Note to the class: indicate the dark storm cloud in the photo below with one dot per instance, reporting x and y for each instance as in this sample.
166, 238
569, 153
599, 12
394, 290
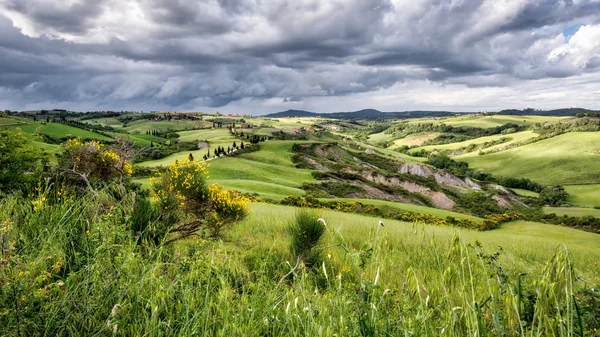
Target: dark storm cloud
212, 52
73, 19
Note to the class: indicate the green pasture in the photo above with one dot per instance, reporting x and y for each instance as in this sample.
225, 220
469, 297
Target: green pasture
570, 158
58, 130
205, 134
573, 211
4, 121
415, 139
525, 245
525, 193
488, 121
143, 125
514, 138
584, 195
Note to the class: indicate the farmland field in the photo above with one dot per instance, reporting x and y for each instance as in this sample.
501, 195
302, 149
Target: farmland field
584, 195
512, 138
564, 159
58, 130
488, 121
573, 211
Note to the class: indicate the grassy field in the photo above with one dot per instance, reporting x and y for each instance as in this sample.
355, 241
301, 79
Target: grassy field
268, 172
108, 121
525, 244
59, 131
525, 193
205, 134
381, 137
4, 121
400, 279
564, 159
143, 125
415, 139
584, 195
573, 211
514, 138
488, 121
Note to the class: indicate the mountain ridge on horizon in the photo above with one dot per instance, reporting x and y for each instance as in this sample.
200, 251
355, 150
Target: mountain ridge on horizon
374, 113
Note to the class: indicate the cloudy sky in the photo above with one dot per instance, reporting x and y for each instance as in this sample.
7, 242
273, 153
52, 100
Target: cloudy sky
261, 56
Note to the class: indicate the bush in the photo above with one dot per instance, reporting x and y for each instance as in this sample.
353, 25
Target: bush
553, 196
182, 192
19, 161
306, 232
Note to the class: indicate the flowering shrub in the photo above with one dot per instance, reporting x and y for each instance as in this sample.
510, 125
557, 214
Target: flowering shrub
182, 188
491, 222
92, 159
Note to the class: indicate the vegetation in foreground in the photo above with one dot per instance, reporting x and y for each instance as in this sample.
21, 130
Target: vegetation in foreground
76, 266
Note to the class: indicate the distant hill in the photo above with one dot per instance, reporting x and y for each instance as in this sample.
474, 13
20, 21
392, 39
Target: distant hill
361, 114
554, 112
376, 114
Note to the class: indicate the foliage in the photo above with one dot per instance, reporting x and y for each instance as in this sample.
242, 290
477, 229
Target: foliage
20, 162
553, 195
492, 221
74, 267
92, 160
182, 190
306, 231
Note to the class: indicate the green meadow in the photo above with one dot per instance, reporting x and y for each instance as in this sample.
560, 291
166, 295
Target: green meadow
564, 159
573, 211
58, 130
512, 139
584, 195
490, 121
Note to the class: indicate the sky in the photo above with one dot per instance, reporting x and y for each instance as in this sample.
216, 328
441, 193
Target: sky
263, 56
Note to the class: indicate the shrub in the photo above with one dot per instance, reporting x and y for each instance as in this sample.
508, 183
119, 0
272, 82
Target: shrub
18, 160
182, 192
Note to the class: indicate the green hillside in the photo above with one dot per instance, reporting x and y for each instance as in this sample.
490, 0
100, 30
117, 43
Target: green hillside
565, 159
58, 130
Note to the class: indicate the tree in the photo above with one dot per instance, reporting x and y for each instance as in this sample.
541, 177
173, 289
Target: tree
242, 146
19, 160
191, 157
234, 145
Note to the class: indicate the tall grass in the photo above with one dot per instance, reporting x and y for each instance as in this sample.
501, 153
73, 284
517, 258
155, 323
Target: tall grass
76, 266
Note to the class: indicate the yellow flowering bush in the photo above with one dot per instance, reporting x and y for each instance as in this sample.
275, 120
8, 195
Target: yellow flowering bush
182, 187
92, 159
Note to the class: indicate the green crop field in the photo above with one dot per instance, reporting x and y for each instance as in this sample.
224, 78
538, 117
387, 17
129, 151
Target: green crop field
205, 134
564, 159
268, 172
488, 121
525, 193
381, 137
108, 121
415, 139
573, 211
513, 138
9, 121
143, 125
584, 195
59, 131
